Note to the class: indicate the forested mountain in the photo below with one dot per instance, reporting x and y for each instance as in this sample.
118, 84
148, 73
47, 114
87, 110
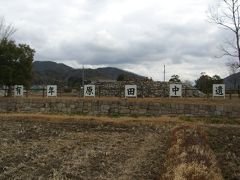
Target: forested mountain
48, 72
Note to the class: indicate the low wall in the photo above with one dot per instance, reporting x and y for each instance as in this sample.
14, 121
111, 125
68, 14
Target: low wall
128, 107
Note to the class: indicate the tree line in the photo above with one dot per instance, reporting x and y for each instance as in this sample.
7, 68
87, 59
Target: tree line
203, 83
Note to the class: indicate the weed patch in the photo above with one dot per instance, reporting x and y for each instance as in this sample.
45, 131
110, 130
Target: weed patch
190, 157
211, 120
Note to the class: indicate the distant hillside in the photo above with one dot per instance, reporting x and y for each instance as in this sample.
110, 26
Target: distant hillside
48, 72
232, 81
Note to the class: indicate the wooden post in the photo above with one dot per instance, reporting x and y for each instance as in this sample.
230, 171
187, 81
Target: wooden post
43, 91
99, 91
238, 91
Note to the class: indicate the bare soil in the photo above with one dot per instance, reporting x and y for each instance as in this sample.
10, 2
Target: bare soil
38, 147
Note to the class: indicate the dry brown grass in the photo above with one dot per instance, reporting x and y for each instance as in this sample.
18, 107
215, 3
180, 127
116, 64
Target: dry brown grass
190, 157
100, 119
69, 147
116, 147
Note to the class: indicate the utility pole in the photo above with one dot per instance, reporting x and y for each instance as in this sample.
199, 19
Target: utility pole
164, 74
82, 88
83, 76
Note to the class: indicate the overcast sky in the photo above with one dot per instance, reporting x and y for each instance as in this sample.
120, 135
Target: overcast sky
140, 36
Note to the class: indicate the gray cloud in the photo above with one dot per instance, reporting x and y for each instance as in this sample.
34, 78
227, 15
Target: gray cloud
135, 35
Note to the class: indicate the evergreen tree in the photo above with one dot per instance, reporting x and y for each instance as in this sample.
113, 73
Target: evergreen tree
15, 63
204, 82
175, 79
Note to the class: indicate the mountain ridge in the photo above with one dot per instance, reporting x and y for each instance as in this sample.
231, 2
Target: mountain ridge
49, 72
232, 82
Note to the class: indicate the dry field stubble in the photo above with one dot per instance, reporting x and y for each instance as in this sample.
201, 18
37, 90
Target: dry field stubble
224, 140
81, 147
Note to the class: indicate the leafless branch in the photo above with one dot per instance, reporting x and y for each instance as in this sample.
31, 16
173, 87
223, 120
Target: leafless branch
6, 30
227, 15
233, 67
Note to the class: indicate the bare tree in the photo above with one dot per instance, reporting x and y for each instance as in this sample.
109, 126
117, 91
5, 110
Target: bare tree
6, 30
233, 67
227, 15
